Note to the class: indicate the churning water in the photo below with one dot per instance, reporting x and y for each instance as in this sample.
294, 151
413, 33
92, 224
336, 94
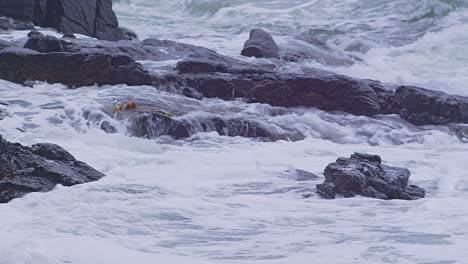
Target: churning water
214, 199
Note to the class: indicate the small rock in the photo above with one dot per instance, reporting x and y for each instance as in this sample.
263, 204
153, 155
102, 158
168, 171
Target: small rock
260, 45
69, 36
365, 175
301, 175
44, 44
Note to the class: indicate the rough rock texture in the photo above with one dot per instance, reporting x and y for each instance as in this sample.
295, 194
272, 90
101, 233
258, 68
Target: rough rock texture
321, 89
39, 169
365, 175
260, 45
91, 17
425, 107
73, 69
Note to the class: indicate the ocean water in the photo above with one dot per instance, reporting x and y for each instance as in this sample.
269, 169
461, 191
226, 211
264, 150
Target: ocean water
214, 199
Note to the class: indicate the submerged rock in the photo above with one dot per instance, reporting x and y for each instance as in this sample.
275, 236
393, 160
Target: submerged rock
39, 169
365, 175
260, 45
156, 123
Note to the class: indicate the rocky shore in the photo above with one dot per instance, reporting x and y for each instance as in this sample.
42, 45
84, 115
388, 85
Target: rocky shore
112, 58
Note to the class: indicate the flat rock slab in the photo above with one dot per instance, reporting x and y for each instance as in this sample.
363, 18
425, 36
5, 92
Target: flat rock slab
365, 175
39, 169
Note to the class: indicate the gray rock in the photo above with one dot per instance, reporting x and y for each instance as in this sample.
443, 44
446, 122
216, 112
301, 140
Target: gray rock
260, 45
365, 175
39, 169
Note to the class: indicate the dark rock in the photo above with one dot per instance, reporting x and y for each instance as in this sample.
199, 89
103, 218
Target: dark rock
72, 69
365, 175
22, 10
260, 45
4, 44
320, 89
39, 169
10, 24
92, 17
44, 44
426, 107
107, 127
35, 33
156, 124
69, 36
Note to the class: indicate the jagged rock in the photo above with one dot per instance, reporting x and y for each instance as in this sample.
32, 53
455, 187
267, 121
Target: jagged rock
92, 17
39, 169
260, 45
73, 69
365, 175
426, 107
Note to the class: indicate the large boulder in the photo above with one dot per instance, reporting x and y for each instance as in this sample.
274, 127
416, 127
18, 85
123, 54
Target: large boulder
365, 175
260, 45
39, 169
72, 69
91, 17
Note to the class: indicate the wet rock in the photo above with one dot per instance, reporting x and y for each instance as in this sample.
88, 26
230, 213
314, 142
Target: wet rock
35, 33
4, 44
72, 69
43, 44
320, 89
39, 169
107, 127
69, 36
93, 17
426, 107
260, 45
154, 125
365, 175
11, 24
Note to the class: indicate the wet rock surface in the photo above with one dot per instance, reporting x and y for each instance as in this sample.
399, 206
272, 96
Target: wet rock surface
365, 175
92, 17
39, 169
260, 45
149, 122
73, 69
426, 107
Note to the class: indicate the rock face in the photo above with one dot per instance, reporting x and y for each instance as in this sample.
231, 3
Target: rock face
91, 17
260, 45
73, 69
365, 175
39, 169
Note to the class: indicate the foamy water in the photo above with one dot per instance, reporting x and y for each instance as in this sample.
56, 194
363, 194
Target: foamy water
213, 199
